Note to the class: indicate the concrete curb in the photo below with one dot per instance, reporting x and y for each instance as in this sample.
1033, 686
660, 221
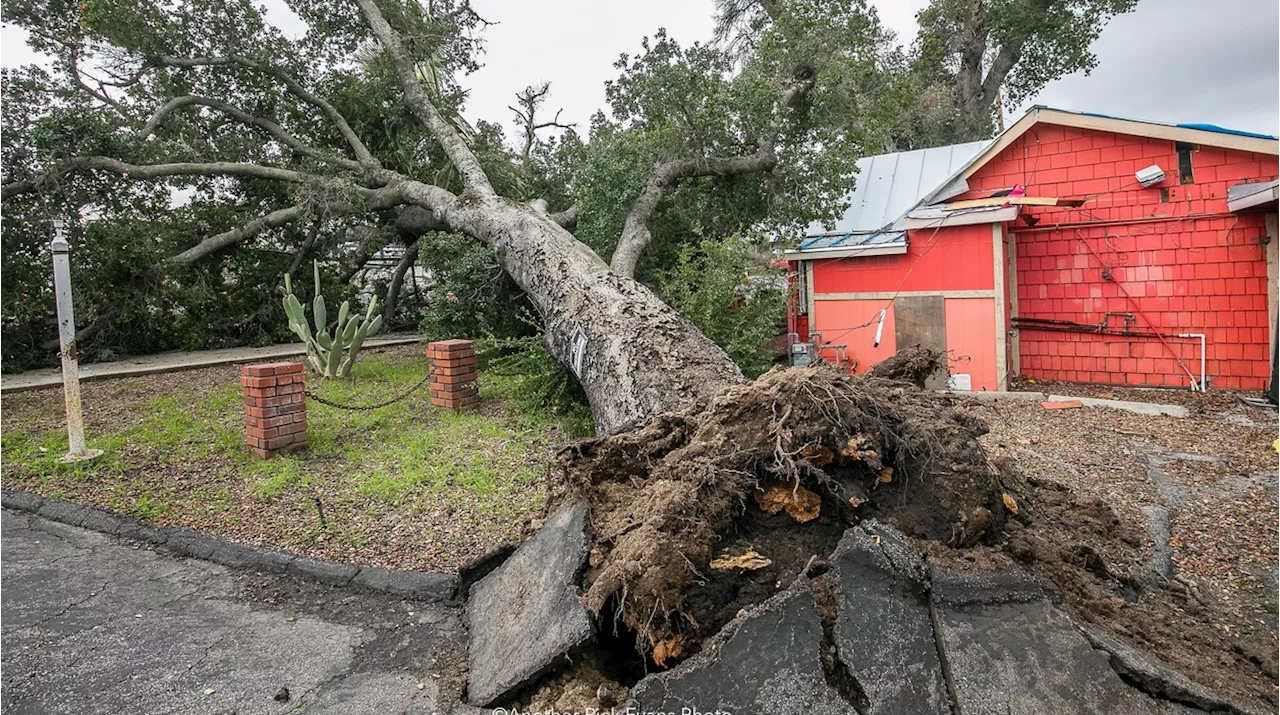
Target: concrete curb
420, 585
42, 379
1141, 408
997, 396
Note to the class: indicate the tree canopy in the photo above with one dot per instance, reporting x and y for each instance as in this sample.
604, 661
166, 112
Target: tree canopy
199, 154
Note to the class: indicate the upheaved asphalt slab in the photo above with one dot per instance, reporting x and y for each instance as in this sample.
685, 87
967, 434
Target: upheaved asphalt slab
883, 632
525, 617
96, 624
766, 662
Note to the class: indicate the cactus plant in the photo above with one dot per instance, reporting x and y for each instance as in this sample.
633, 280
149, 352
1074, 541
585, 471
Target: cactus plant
330, 355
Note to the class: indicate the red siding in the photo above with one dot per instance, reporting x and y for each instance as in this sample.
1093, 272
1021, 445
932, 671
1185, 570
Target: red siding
835, 320
956, 258
1187, 264
971, 341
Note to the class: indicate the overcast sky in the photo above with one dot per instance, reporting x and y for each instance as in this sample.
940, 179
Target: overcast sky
1215, 61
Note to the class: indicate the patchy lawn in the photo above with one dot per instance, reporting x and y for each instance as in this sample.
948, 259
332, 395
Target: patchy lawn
408, 486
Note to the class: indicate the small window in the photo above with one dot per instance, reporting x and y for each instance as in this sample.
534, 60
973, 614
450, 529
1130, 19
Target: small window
1184, 161
802, 281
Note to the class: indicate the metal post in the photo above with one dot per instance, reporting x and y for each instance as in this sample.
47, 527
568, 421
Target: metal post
67, 343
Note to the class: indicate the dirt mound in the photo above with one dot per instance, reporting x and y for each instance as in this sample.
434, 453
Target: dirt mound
913, 365
706, 511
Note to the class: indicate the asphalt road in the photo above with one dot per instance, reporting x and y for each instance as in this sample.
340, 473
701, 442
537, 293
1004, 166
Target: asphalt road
95, 624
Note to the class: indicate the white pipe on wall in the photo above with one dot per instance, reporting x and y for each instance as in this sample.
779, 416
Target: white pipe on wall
1201, 336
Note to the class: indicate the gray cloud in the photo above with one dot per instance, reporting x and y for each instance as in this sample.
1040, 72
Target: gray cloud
1169, 60
1184, 61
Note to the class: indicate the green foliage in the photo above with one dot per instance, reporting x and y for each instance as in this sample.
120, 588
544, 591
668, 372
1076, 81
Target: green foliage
673, 101
728, 290
468, 295
331, 355
1022, 44
537, 383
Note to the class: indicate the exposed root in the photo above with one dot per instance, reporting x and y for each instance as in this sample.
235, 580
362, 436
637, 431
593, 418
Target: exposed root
664, 495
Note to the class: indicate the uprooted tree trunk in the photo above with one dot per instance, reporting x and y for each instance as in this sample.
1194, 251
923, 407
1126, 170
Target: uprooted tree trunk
635, 356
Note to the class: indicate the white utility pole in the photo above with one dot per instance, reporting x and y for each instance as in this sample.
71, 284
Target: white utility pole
67, 343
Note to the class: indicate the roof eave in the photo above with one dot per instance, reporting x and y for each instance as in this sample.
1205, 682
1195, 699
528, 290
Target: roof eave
1116, 125
1257, 198
887, 249
962, 218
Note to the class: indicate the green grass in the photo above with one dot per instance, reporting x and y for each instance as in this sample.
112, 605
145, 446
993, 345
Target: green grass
180, 457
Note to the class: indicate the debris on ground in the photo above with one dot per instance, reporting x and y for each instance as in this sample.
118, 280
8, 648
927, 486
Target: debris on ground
702, 517
1063, 405
913, 364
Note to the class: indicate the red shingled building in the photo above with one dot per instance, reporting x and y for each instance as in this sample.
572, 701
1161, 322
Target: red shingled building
1073, 247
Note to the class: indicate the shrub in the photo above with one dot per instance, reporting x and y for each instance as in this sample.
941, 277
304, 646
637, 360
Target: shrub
732, 295
537, 383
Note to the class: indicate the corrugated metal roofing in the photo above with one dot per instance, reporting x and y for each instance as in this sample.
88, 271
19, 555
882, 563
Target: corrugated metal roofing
889, 185
854, 240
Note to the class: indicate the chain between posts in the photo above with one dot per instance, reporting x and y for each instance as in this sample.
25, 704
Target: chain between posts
359, 408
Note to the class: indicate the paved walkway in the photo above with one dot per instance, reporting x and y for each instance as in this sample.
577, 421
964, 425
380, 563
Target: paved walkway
94, 624
172, 362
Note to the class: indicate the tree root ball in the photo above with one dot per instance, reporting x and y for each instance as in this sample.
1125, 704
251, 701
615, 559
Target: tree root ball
667, 497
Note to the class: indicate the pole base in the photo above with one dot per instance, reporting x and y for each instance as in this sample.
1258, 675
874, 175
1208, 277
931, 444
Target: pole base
83, 456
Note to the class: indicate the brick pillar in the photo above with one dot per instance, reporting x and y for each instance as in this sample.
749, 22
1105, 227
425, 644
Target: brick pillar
453, 373
275, 410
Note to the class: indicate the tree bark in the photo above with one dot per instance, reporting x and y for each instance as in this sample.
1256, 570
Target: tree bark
406, 264
639, 357
635, 356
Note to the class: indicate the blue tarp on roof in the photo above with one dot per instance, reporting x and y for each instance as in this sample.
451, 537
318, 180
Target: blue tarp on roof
1201, 127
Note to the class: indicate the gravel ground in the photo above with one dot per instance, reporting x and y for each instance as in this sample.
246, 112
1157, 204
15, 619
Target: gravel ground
1216, 471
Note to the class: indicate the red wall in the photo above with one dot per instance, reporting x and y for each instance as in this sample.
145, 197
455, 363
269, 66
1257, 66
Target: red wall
957, 258
951, 259
1189, 265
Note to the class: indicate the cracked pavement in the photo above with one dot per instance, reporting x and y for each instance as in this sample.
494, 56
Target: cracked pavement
96, 624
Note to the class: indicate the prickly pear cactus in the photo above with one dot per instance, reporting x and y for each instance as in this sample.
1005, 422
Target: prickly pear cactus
330, 354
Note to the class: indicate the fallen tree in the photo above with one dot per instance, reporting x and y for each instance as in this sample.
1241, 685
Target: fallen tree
634, 356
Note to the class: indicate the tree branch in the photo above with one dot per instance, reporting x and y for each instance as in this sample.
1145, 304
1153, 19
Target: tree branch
267, 125
530, 98
397, 282
275, 219
367, 199
305, 250
635, 236
340, 122
158, 171
473, 176
569, 217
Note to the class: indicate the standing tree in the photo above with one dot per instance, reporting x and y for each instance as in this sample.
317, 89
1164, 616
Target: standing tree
967, 55
210, 96
973, 51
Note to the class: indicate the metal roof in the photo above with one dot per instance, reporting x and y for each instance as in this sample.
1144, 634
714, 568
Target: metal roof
890, 185
873, 243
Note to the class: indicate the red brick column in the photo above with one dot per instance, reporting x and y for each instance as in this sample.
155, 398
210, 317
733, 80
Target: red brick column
275, 410
453, 373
